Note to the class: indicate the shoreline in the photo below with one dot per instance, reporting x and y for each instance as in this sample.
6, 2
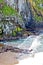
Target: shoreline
6, 48
9, 55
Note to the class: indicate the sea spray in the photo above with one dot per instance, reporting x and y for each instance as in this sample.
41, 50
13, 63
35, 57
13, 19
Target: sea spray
30, 45
35, 44
38, 57
36, 60
31, 42
27, 42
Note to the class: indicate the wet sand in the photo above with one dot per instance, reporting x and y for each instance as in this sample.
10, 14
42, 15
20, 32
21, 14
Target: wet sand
8, 58
10, 55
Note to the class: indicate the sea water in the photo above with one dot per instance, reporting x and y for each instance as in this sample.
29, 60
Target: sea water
32, 42
36, 45
27, 42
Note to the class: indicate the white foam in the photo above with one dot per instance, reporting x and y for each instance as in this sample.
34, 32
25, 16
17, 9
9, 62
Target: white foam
27, 42
36, 60
36, 43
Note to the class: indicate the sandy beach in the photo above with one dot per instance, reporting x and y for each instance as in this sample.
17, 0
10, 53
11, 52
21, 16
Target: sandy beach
9, 55
8, 58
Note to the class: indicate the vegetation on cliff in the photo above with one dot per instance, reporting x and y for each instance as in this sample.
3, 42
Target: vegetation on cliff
37, 7
30, 14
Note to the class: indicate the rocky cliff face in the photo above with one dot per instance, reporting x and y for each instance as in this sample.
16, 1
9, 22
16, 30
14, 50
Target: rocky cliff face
16, 4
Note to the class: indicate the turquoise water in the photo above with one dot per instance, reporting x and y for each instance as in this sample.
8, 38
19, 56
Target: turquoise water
14, 42
27, 42
32, 42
